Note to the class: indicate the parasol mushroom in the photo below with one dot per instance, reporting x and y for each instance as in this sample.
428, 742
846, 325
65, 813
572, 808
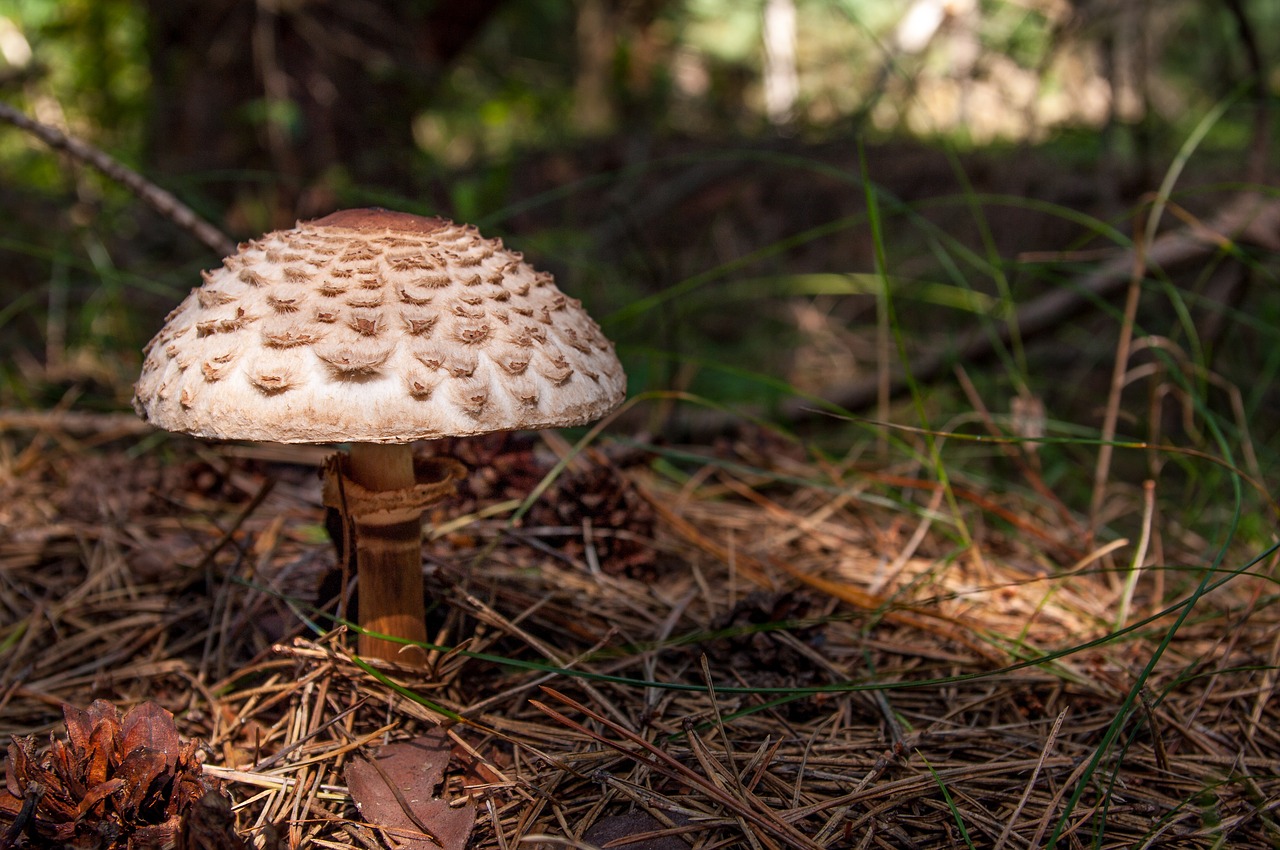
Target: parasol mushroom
377, 328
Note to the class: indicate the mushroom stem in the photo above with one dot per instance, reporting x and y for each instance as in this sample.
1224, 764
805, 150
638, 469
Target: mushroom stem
388, 558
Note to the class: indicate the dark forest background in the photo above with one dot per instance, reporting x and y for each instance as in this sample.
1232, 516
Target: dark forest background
698, 171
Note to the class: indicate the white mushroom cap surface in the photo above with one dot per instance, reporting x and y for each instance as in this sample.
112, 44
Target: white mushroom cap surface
380, 327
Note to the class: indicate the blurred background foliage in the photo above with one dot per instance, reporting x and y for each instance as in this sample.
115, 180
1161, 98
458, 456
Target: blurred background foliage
467, 85
693, 169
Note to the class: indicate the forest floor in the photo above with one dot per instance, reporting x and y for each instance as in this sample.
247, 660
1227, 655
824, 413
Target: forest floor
746, 641
740, 645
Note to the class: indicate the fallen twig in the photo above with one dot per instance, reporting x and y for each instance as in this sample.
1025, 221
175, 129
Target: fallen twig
160, 200
1249, 218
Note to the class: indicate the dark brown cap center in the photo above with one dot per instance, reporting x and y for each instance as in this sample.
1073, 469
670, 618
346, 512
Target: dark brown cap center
377, 218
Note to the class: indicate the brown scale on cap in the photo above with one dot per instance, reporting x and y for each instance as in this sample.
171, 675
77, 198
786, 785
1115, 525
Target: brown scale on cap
344, 327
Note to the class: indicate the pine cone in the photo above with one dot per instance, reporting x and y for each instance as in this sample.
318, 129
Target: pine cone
600, 493
114, 783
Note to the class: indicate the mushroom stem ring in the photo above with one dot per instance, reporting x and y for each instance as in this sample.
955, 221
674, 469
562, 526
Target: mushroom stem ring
381, 492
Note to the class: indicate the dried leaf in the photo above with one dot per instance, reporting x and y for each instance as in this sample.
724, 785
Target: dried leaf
615, 830
396, 792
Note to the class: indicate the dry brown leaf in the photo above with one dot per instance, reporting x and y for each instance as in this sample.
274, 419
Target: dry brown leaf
633, 831
397, 793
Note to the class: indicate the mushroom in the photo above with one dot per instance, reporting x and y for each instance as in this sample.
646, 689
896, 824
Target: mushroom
377, 328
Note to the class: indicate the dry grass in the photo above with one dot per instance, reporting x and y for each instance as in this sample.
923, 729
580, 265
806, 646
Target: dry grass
770, 653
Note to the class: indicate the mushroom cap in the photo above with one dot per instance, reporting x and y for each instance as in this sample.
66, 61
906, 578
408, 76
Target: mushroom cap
380, 327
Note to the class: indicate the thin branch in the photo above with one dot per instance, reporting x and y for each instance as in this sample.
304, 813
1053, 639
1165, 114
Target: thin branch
1250, 218
149, 193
